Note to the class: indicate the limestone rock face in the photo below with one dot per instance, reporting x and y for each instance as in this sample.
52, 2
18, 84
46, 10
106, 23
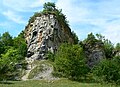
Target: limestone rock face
116, 53
45, 34
94, 53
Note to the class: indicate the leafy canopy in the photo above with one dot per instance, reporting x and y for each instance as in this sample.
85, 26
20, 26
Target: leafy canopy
70, 62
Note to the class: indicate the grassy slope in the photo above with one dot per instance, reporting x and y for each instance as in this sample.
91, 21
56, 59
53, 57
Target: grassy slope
58, 83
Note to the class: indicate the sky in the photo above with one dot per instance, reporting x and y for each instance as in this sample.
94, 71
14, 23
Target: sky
84, 16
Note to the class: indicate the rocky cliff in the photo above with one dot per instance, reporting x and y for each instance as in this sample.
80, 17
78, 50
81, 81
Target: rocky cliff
94, 53
45, 34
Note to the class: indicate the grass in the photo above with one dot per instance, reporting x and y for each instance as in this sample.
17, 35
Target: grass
57, 83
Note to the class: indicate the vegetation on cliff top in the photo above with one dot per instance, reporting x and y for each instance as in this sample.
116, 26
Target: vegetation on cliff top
50, 8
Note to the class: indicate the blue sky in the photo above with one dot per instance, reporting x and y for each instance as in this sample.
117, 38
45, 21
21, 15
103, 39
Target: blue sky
85, 16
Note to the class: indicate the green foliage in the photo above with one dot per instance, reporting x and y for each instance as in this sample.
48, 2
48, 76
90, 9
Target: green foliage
5, 42
108, 70
36, 14
7, 63
1, 47
50, 56
7, 39
49, 6
70, 62
20, 45
100, 37
90, 39
75, 37
12, 53
108, 46
117, 48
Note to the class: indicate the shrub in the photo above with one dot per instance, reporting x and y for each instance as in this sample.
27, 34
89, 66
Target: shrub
12, 55
50, 56
107, 70
70, 62
117, 47
7, 64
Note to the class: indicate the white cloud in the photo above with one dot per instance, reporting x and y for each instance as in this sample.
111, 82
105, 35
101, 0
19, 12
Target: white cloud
95, 15
12, 8
75, 13
14, 17
112, 31
24, 5
110, 28
112, 34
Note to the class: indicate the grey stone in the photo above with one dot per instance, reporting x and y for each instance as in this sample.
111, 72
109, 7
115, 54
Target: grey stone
43, 35
94, 53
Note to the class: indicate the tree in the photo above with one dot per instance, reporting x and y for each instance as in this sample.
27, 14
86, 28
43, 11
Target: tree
1, 47
108, 70
70, 62
12, 53
5, 42
20, 45
90, 39
117, 48
7, 63
108, 46
49, 6
100, 37
7, 39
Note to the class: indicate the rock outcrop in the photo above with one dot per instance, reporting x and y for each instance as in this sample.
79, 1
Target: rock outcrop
94, 53
45, 34
116, 53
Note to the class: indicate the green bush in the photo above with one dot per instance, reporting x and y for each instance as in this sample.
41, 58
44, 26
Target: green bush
107, 70
107, 45
12, 55
70, 62
117, 47
7, 64
76, 40
36, 14
50, 56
